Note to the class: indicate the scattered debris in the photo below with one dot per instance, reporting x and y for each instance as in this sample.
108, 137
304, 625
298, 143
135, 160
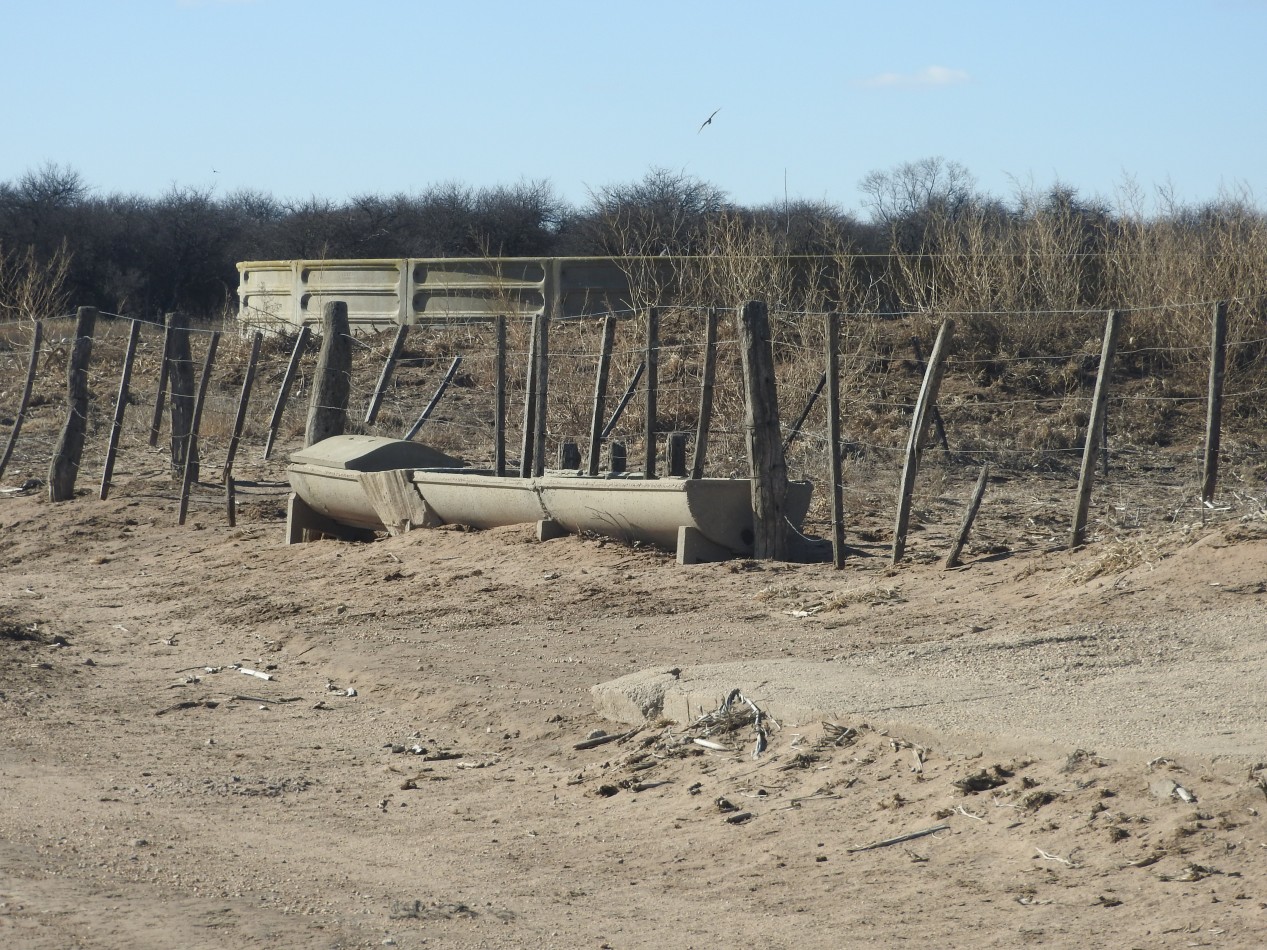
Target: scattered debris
923, 832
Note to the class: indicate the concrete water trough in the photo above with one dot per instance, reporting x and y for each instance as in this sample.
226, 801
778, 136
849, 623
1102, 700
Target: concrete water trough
352, 486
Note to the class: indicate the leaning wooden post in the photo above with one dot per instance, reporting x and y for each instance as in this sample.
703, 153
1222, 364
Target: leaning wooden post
191, 459
919, 425
543, 394
180, 378
705, 420
761, 425
1099, 406
652, 360
624, 400
1214, 406
938, 426
809, 407
389, 365
600, 394
499, 411
283, 393
833, 441
244, 398
969, 516
120, 404
435, 399
37, 337
70, 445
164, 369
328, 410
529, 437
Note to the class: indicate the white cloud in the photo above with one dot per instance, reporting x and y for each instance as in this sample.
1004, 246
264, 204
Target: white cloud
928, 76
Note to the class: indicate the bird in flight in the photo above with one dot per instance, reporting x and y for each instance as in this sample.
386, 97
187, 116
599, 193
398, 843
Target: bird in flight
708, 121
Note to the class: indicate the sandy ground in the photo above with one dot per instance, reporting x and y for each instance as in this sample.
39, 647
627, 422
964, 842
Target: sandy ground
1087, 734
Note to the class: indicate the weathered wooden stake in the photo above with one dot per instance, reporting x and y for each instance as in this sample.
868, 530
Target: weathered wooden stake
180, 379
705, 420
569, 456
191, 459
938, 426
389, 365
435, 399
652, 360
833, 441
239, 419
37, 336
1099, 406
120, 404
332, 381
969, 516
800, 420
231, 500
919, 424
761, 424
1214, 405
529, 438
600, 393
624, 400
499, 421
283, 392
164, 369
70, 445
617, 458
543, 392
675, 454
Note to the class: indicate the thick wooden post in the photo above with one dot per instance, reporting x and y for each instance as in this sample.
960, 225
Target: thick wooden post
652, 361
499, 411
164, 369
244, 399
435, 399
120, 405
543, 393
569, 456
180, 378
37, 336
1099, 406
705, 420
191, 459
389, 365
969, 516
1214, 404
70, 445
331, 385
617, 459
919, 425
761, 424
529, 439
283, 392
675, 454
833, 441
600, 393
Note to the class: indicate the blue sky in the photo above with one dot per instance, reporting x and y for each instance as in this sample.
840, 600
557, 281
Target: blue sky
382, 96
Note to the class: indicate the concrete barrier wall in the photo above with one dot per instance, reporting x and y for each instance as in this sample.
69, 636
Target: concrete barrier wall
282, 296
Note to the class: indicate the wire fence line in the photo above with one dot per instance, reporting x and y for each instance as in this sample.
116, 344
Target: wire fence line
1024, 413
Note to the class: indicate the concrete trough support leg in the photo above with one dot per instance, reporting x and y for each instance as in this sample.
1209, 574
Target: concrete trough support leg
306, 524
694, 548
549, 530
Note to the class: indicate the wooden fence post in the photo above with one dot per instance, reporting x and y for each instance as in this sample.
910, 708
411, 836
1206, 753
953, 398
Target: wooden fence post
833, 441
328, 410
499, 422
617, 459
70, 445
1214, 404
761, 424
800, 420
37, 336
180, 379
543, 393
120, 404
389, 365
969, 516
600, 393
164, 370
569, 456
244, 398
652, 360
675, 454
529, 439
624, 400
435, 399
938, 426
191, 459
283, 392
705, 420
919, 425
1099, 406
